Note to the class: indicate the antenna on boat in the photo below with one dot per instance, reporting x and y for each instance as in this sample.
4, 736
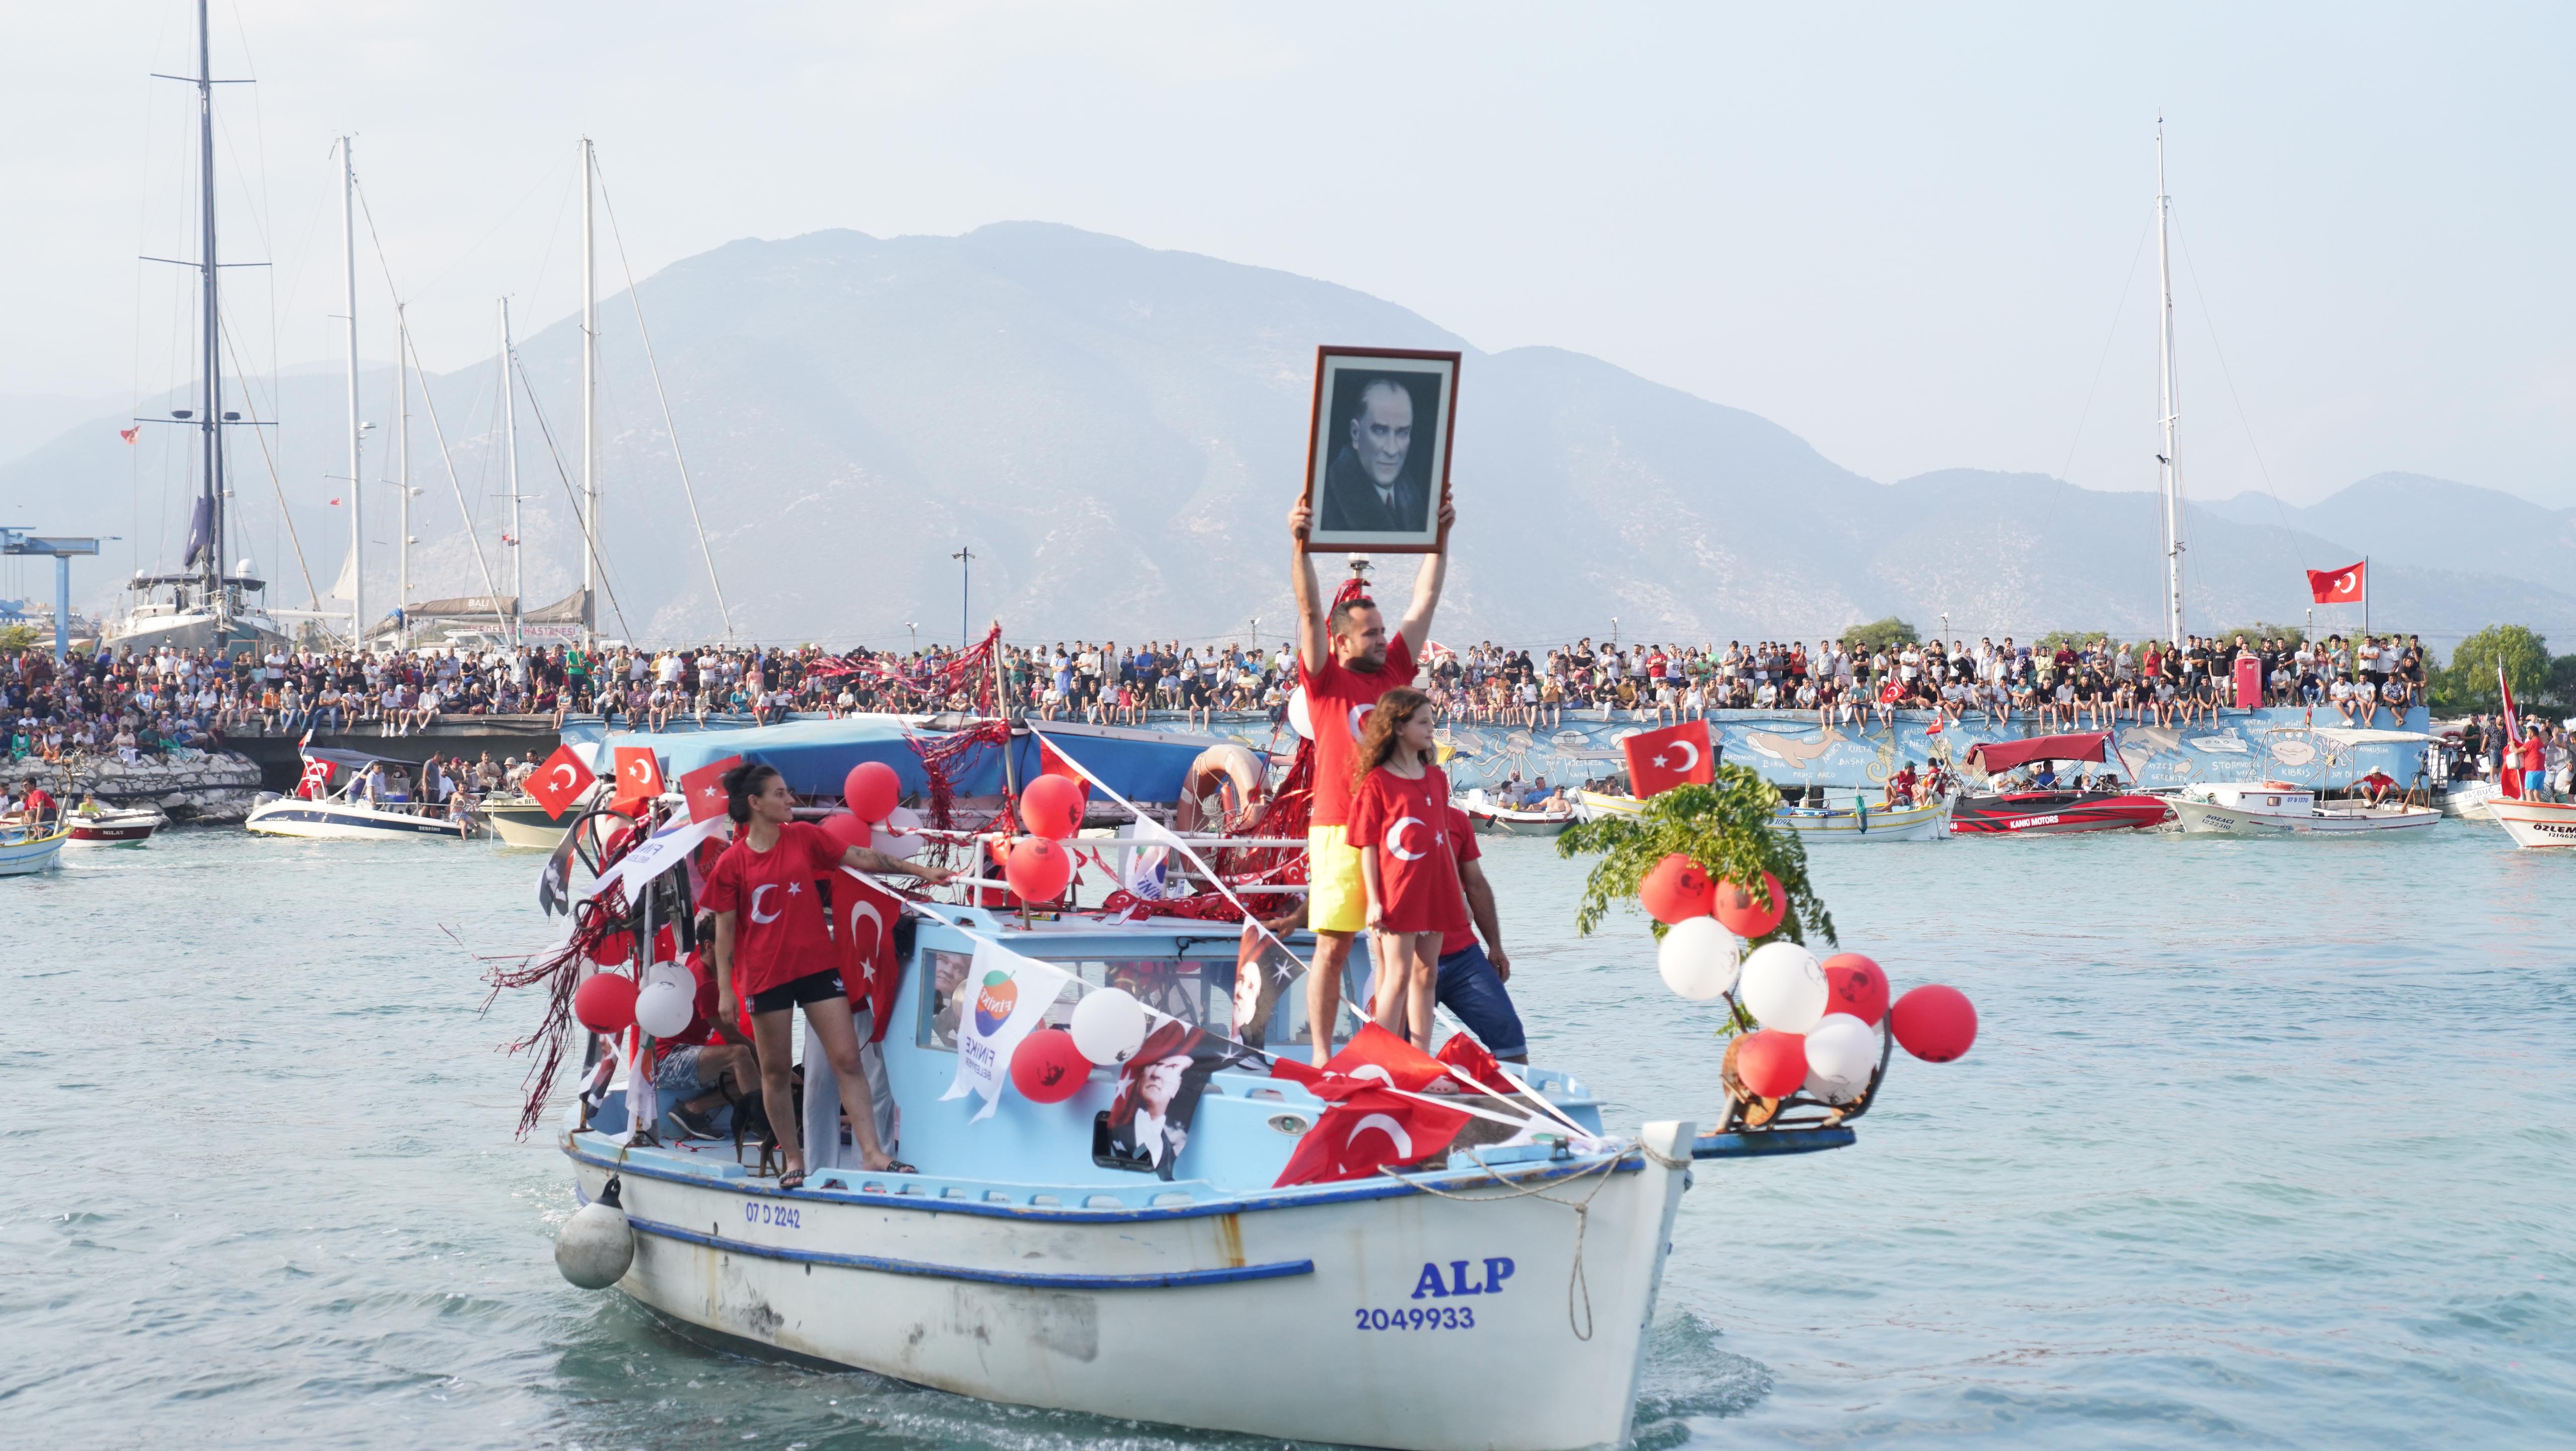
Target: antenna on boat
2168, 472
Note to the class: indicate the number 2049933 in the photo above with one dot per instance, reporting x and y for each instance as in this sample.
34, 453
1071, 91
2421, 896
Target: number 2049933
1418, 1317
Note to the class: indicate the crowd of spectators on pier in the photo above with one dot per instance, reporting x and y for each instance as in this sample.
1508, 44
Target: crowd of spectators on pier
142, 703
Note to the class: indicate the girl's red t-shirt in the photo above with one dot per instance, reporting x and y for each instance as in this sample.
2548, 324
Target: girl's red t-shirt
1406, 824
779, 932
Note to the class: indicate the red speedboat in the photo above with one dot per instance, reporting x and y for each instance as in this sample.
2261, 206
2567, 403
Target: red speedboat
2048, 812
115, 825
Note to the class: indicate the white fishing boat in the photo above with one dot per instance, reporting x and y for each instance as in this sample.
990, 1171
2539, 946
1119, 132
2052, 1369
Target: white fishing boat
2270, 808
1862, 821
27, 850
1492, 818
1028, 1254
524, 823
2467, 800
2535, 823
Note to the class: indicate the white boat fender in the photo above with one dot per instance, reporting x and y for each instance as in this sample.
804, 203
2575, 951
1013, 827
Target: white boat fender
595, 1246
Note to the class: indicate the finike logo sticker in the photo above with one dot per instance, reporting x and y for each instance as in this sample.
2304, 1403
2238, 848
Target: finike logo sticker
994, 1001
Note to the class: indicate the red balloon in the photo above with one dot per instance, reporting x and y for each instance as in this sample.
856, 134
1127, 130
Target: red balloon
613, 949
605, 1003
1772, 1064
1053, 806
1742, 913
1855, 985
871, 790
1676, 890
1037, 869
1047, 1068
846, 828
1934, 1023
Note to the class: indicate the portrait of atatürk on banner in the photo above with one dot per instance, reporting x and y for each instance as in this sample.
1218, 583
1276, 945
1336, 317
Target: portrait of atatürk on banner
1379, 455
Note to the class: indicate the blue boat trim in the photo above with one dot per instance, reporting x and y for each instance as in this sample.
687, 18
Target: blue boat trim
1299, 1198
1023, 1279
1775, 1141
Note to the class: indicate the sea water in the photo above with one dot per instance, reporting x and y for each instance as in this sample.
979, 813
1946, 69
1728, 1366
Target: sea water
2262, 1143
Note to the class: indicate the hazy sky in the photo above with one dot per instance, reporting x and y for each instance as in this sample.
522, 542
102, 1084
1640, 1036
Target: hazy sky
1903, 233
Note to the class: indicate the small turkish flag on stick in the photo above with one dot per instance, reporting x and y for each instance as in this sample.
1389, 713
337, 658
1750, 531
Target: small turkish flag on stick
560, 781
639, 776
1676, 755
2338, 586
704, 788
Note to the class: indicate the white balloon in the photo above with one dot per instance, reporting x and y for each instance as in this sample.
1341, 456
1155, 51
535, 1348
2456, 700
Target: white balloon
1784, 987
669, 971
1841, 1052
1108, 1025
1298, 720
664, 1008
899, 835
1697, 958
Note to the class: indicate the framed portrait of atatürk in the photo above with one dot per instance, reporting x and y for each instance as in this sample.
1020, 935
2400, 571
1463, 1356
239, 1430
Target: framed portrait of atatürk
1377, 462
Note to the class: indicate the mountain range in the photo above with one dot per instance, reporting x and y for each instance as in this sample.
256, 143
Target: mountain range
1116, 434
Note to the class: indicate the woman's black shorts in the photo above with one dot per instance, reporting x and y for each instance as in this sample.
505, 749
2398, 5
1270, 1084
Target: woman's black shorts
813, 987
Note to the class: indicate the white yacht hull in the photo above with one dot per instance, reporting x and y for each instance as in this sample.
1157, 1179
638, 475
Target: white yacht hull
337, 820
2535, 823
195, 630
1912, 823
1305, 1316
2204, 817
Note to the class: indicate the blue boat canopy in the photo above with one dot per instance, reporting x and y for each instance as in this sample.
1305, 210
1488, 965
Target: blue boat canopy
814, 755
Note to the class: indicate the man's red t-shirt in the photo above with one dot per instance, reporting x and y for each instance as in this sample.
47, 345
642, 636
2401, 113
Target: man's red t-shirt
779, 934
1462, 842
701, 1031
1338, 700
1406, 823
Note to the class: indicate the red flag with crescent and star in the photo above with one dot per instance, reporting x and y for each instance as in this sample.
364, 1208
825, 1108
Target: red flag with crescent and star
1051, 762
864, 935
704, 788
1677, 755
559, 782
1370, 1129
639, 776
2338, 586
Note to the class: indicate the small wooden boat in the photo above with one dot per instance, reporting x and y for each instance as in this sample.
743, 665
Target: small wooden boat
27, 850
2269, 808
2535, 824
1862, 821
1493, 819
523, 822
125, 826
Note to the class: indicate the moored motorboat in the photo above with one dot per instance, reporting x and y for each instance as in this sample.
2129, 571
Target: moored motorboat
353, 809
27, 850
1491, 818
1863, 821
523, 821
2264, 808
2535, 824
2043, 809
126, 826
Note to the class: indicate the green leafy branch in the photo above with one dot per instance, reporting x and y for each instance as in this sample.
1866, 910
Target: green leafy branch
1726, 828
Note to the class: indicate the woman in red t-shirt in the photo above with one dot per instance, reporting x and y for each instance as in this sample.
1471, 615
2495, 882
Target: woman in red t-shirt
1399, 824
772, 947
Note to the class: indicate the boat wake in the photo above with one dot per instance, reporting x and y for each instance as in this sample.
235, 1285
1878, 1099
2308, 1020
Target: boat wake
1690, 1377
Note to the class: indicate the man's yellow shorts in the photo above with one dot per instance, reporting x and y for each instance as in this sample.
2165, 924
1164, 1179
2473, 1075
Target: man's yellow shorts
1336, 898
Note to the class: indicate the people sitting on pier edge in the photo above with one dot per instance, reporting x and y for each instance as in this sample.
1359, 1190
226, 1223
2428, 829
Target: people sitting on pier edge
1346, 660
773, 951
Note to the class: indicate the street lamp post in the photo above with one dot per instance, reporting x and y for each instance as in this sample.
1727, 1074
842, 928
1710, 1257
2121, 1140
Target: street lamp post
965, 558
916, 635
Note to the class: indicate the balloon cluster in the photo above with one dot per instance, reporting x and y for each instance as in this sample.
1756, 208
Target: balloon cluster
874, 820
1052, 1064
1036, 865
1819, 1020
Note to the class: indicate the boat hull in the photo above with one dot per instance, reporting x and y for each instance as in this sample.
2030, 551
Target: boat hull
27, 855
527, 828
2054, 813
124, 827
345, 821
1111, 1312
2535, 824
1912, 823
1518, 823
2203, 817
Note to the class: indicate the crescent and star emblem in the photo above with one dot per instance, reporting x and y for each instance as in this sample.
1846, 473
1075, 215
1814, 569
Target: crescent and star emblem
869, 912
1386, 1125
2344, 586
1691, 764
1359, 719
755, 902
1395, 838
564, 770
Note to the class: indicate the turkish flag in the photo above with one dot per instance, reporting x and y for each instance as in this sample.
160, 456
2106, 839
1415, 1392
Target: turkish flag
2338, 586
1367, 1130
1051, 762
639, 776
704, 788
560, 781
1676, 755
864, 934
316, 782
1375, 1053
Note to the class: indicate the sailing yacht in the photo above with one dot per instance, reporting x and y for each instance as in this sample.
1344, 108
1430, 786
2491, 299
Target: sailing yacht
202, 607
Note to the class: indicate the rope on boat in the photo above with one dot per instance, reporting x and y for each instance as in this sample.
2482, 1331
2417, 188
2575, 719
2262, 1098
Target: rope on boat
1578, 1286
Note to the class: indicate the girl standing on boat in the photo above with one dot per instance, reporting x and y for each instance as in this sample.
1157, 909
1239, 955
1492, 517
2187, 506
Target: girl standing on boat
772, 947
1399, 823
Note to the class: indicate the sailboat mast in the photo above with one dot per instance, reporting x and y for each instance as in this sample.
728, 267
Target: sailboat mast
589, 396
2168, 471
402, 453
510, 463
357, 484
210, 571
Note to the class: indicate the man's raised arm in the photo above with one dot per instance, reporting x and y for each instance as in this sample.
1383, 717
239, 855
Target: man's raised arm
1312, 645
1416, 628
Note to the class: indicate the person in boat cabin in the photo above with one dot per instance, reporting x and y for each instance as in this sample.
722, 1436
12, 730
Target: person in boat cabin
1346, 661
773, 950
1399, 816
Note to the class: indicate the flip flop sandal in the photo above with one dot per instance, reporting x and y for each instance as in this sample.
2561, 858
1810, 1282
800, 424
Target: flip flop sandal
898, 1166
792, 1179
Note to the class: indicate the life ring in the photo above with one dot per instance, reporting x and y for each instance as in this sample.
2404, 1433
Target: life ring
1231, 776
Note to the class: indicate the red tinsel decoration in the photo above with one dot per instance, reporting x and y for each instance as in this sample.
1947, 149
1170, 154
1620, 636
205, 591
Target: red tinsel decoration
560, 972
942, 758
